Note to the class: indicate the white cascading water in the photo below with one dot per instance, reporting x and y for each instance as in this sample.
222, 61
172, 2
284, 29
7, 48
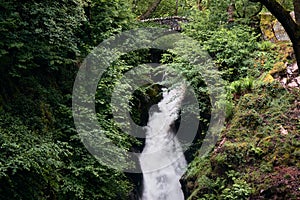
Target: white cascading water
162, 151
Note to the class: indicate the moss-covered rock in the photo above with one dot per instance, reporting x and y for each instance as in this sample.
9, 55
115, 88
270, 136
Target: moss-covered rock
268, 78
279, 67
267, 21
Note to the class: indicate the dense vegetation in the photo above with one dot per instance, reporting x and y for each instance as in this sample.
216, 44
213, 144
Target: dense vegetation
43, 43
42, 46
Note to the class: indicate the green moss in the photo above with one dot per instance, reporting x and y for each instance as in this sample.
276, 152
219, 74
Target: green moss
267, 21
279, 67
268, 79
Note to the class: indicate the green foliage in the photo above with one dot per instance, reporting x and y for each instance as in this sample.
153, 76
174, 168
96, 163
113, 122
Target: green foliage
104, 18
241, 86
239, 190
35, 166
232, 48
39, 34
287, 4
29, 162
165, 8
42, 44
247, 8
51, 36
266, 45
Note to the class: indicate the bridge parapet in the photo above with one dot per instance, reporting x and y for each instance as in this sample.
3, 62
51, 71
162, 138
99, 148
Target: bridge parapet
173, 22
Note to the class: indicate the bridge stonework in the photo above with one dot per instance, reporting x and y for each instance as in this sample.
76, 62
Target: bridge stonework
173, 22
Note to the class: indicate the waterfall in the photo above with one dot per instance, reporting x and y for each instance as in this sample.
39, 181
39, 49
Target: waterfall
162, 160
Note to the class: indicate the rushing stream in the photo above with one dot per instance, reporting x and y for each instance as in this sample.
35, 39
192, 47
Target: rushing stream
162, 146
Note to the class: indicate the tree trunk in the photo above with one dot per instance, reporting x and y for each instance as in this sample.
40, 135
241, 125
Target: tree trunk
150, 10
230, 12
199, 5
297, 11
296, 47
176, 9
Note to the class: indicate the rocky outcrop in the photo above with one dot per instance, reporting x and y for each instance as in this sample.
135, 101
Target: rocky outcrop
137, 180
286, 74
272, 29
290, 79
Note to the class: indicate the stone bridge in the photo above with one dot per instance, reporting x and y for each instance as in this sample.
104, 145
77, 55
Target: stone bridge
173, 22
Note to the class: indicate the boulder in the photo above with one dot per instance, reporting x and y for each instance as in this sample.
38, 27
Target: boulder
267, 21
297, 79
279, 32
284, 81
292, 69
272, 29
293, 84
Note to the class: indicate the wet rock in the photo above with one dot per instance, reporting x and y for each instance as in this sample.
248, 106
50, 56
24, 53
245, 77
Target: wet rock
297, 79
136, 179
292, 69
293, 84
283, 131
290, 78
280, 33
186, 186
284, 81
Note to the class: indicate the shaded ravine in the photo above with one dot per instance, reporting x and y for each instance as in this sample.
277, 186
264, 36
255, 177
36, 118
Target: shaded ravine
162, 160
